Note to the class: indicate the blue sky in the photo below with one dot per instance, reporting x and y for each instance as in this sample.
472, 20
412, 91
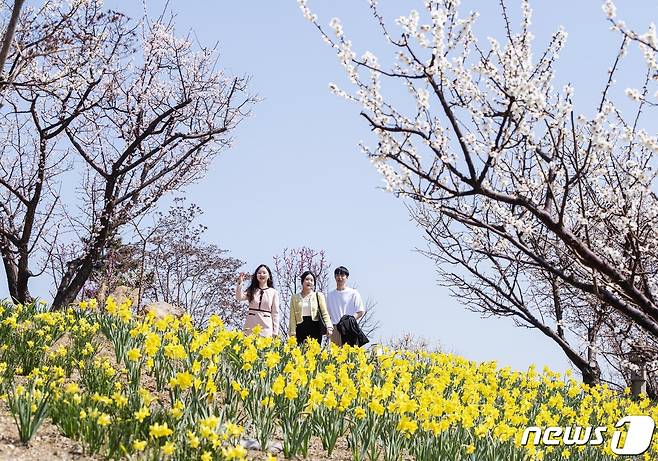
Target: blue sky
296, 176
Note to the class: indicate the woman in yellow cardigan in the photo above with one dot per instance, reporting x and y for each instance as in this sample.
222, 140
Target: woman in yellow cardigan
308, 310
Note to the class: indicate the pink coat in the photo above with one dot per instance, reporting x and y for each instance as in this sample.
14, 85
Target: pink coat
264, 311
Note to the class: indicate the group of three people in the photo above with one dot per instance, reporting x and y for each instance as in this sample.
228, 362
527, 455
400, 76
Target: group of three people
311, 315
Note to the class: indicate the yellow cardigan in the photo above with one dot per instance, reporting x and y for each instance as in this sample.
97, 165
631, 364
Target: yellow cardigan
296, 310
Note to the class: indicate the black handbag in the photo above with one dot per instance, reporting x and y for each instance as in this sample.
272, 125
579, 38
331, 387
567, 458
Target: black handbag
323, 326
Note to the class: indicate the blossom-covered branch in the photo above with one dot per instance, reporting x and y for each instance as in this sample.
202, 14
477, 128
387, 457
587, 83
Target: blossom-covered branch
519, 195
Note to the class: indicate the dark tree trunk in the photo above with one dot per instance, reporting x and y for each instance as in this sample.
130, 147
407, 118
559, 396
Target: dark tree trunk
22, 290
588, 366
589, 369
72, 283
23, 276
8, 38
11, 270
591, 374
78, 271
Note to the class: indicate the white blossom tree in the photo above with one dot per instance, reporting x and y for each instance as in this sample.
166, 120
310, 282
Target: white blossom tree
531, 211
103, 116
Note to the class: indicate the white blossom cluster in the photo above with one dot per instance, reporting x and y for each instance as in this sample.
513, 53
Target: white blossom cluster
648, 44
610, 9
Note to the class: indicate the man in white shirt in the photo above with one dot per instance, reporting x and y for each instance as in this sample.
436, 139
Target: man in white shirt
343, 301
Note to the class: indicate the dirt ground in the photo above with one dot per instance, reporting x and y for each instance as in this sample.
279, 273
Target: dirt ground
48, 444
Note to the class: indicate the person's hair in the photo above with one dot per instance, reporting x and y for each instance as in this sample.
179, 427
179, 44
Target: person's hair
342, 270
253, 286
306, 274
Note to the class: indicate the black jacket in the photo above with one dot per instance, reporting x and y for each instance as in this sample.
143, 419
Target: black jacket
350, 331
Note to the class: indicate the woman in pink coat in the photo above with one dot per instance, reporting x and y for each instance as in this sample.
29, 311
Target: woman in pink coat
263, 301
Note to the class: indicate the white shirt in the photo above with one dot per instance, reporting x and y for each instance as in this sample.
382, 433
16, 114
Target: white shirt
344, 302
306, 305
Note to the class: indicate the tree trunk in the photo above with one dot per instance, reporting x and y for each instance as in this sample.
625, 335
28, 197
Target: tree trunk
22, 278
588, 367
72, 282
591, 374
23, 295
79, 270
10, 270
7, 39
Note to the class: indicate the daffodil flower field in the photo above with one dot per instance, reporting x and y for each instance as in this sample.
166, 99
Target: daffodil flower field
150, 389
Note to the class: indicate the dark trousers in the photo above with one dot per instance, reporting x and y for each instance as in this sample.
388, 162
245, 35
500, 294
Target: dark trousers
308, 329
